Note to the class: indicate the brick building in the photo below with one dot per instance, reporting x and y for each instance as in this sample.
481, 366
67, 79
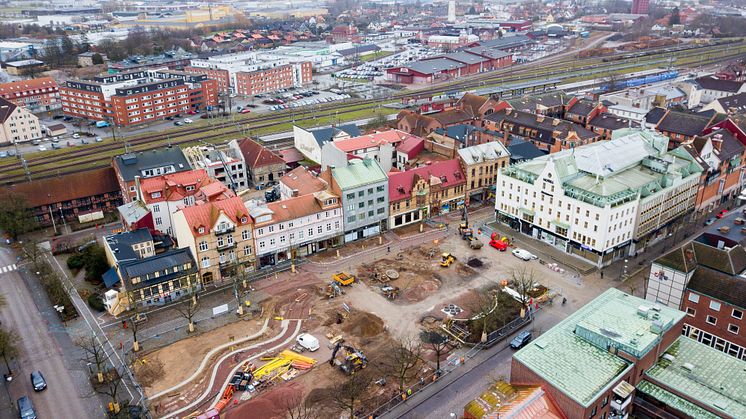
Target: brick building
138, 96
269, 80
145, 164
36, 95
70, 196
680, 127
262, 165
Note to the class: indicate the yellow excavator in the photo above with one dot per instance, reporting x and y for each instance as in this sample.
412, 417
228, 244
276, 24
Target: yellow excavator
354, 360
447, 259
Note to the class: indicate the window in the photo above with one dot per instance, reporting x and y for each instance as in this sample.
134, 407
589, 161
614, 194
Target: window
272, 242
712, 320
261, 244
328, 226
361, 205
737, 314
379, 188
282, 239
350, 196
351, 219
247, 250
156, 208
245, 235
203, 246
714, 305
593, 412
605, 402
158, 221
693, 297
201, 230
310, 232
320, 229
360, 194
733, 329
691, 312
205, 262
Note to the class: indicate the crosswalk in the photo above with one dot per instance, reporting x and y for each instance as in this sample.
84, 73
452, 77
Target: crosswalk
9, 268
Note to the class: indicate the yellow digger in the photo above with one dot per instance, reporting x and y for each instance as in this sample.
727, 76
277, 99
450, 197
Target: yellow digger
343, 279
447, 260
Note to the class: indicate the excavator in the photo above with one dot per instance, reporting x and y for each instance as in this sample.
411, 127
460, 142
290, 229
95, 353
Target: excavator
353, 362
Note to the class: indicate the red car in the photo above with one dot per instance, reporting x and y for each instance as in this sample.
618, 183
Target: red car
245, 110
191, 113
501, 245
722, 213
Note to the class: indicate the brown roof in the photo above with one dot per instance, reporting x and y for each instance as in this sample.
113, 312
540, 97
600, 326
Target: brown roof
471, 103
303, 181
11, 88
67, 187
293, 208
256, 155
6, 109
452, 116
206, 215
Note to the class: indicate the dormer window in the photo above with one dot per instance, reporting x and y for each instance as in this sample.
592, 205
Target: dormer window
201, 230
189, 188
244, 220
155, 195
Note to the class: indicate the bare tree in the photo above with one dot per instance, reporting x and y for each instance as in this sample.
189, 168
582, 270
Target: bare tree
133, 321
403, 360
110, 386
438, 343
487, 311
9, 341
32, 251
95, 354
349, 393
187, 309
523, 280
298, 406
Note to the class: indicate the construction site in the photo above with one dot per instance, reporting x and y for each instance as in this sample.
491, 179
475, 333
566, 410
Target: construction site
386, 322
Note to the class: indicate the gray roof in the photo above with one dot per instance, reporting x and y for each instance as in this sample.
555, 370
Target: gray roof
466, 57
482, 152
323, 135
507, 42
121, 243
433, 66
131, 164
489, 52
160, 263
359, 49
523, 150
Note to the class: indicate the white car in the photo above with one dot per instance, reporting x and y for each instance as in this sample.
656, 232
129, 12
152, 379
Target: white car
42, 148
76, 136
187, 121
524, 254
99, 139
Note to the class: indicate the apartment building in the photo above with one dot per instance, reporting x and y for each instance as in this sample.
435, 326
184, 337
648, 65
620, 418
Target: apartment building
263, 166
36, 95
297, 227
250, 73
226, 166
300, 181
146, 164
602, 201
146, 271
138, 96
363, 186
220, 235
619, 356
165, 194
680, 127
705, 279
380, 146
17, 125
426, 191
480, 164
310, 142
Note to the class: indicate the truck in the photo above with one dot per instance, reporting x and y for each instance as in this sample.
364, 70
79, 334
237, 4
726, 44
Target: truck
102, 124
308, 342
343, 279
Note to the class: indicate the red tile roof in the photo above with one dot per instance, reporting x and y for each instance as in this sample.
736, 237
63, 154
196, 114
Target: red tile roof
303, 181
393, 136
9, 90
256, 155
445, 173
67, 187
172, 187
205, 215
291, 155
293, 208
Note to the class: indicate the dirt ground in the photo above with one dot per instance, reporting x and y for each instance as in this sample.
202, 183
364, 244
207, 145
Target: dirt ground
349, 249
411, 230
181, 359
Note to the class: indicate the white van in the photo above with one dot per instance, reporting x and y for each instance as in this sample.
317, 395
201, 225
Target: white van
307, 341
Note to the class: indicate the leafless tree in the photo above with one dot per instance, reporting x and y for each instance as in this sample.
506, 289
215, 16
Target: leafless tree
133, 324
403, 360
110, 386
438, 343
298, 406
349, 393
95, 354
9, 343
187, 309
523, 280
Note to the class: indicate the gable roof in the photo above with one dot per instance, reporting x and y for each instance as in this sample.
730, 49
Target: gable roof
523, 150
297, 207
655, 115
376, 139
713, 83
471, 103
487, 52
131, 164
359, 172
446, 173
303, 181
6, 110
483, 152
683, 123
206, 214
17, 88
434, 65
719, 285
452, 116
67, 187
736, 102
582, 107
172, 187
256, 155
323, 135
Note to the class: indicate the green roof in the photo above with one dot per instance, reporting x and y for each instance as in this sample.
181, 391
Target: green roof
674, 401
704, 375
359, 172
573, 356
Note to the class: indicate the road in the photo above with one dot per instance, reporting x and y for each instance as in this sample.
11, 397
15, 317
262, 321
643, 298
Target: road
27, 314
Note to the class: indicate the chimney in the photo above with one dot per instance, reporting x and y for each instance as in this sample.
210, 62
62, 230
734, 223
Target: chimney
295, 193
717, 141
138, 195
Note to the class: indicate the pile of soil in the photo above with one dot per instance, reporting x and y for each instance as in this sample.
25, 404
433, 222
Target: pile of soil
272, 404
465, 271
475, 263
363, 324
421, 291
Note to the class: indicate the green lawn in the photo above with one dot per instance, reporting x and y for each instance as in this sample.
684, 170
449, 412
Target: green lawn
376, 55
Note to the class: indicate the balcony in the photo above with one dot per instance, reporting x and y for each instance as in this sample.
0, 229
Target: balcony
620, 404
226, 245
225, 231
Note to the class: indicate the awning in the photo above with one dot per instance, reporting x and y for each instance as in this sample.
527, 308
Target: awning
111, 278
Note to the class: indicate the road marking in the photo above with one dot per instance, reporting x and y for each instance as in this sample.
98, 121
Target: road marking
3, 269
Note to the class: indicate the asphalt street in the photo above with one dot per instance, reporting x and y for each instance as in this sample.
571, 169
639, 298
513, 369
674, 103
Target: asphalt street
27, 312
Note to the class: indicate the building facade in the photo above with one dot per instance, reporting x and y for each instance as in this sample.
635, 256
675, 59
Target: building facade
145, 164
480, 164
138, 96
424, 192
220, 235
17, 125
224, 165
36, 95
263, 166
297, 227
602, 201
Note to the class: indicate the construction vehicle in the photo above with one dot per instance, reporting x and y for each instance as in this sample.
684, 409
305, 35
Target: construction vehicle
343, 279
354, 360
333, 290
447, 259
390, 292
475, 243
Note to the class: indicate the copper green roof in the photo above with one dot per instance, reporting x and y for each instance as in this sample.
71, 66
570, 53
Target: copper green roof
573, 356
674, 401
704, 375
359, 173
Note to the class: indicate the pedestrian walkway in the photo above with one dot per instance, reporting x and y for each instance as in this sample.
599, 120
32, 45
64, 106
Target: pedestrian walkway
9, 268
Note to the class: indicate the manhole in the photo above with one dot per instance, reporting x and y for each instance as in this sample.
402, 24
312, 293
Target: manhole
392, 274
452, 310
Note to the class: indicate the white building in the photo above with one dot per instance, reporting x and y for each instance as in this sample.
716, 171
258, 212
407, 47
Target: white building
310, 142
601, 201
297, 227
220, 165
17, 124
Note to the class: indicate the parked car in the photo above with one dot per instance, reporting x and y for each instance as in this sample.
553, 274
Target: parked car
67, 118
245, 110
83, 141
178, 123
58, 116
42, 148
38, 381
26, 408
521, 340
169, 118
76, 135
55, 140
709, 221
36, 142
524, 254
722, 213
99, 139
187, 121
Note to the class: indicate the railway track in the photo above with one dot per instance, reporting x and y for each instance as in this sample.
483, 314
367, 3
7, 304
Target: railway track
591, 65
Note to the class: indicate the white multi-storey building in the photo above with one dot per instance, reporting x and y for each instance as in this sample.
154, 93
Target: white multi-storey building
602, 201
297, 227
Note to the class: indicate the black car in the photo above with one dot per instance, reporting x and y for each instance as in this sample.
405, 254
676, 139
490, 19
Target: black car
38, 381
26, 408
169, 118
58, 116
67, 118
521, 340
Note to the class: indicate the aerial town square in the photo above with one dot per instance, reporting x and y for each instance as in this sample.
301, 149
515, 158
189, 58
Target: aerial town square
301, 209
